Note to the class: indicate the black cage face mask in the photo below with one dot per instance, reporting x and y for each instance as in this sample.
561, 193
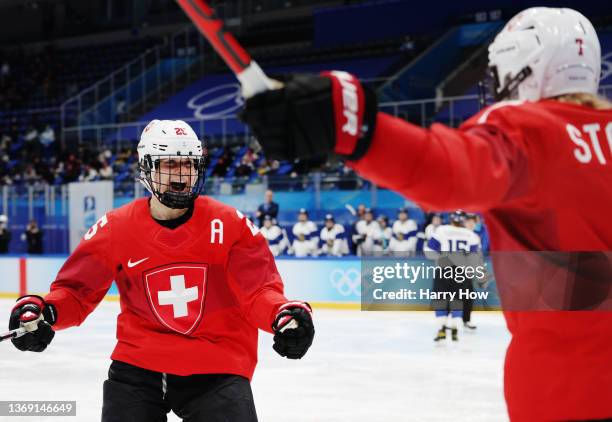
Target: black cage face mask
175, 180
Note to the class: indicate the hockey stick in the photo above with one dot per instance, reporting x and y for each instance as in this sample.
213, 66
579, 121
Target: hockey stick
351, 209
18, 332
13, 334
248, 72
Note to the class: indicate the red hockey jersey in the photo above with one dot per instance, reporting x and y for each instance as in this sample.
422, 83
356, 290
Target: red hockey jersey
541, 173
192, 298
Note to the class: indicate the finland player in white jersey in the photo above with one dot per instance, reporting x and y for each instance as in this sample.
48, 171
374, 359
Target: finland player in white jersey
451, 237
366, 231
305, 232
436, 221
382, 237
333, 238
404, 234
274, 235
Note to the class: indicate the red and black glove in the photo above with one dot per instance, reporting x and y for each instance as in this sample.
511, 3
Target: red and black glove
314, 116
293, 330
26, 310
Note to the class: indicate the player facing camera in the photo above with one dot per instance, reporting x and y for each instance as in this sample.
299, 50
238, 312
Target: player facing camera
196, 282
171, 163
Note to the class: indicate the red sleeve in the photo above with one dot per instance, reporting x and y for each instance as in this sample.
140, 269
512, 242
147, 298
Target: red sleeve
475, 167
254, 279
84, 279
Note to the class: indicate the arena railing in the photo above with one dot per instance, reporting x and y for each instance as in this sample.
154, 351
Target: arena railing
225, 130
111, 98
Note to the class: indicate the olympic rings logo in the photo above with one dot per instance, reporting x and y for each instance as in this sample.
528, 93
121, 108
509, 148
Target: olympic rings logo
346, 282
220, 101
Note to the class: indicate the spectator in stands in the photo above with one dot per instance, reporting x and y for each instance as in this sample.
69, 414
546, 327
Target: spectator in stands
31, 134
47, 137
245, 168
34, 238
30, 176
332, 238
274, 235
404, 234
71, 169
106, 171
269, 207
88, 174
5, 234
366, 231
223, 163
382, 238
305, 232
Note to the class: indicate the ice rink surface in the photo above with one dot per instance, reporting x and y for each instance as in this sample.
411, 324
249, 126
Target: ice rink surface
363, 366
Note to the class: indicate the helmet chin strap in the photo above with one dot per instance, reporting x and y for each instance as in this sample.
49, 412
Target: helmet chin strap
512, 85
175, 200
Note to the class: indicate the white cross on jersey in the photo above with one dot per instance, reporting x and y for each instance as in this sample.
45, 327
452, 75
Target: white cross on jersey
178, 296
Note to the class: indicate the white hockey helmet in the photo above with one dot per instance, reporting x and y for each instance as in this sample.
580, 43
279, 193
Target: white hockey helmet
544, 52
176, 141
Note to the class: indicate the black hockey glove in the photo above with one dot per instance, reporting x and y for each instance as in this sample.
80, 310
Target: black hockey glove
313, 116
293, 330
29, 309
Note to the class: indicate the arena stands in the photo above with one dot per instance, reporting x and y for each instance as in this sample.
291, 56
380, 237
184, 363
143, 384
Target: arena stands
40, 152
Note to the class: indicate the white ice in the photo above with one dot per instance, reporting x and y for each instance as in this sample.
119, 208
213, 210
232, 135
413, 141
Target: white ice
363, 366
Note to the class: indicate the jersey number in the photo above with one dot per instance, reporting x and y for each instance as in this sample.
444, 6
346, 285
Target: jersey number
94, 229
459, 245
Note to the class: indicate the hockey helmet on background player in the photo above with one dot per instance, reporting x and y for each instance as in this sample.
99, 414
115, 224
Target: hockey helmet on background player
269, 220
457, 217
383, 218
545, 52
171, 140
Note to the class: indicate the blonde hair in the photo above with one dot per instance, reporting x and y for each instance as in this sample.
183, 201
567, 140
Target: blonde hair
588, 100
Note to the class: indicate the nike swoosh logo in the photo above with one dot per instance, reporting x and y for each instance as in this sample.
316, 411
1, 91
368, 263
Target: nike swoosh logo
133, 264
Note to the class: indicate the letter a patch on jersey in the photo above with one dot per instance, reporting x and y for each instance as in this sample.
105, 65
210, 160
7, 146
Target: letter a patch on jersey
176, 293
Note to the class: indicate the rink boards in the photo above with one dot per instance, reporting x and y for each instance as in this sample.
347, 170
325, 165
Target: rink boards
325, 282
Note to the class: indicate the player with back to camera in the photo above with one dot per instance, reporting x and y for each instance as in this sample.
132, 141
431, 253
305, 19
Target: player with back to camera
537, 165
447, 247
196, 281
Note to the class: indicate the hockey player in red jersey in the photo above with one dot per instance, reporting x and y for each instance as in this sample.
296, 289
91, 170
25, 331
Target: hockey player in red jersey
537, 164
196, 281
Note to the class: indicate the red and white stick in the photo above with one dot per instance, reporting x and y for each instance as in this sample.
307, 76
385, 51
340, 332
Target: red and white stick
248, 72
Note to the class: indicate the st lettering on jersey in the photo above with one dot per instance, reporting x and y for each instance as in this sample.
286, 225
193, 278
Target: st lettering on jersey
595, 150
177, 293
